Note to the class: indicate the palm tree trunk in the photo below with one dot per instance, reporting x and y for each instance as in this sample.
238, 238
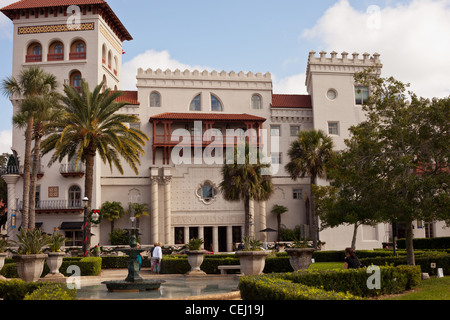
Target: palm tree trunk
33, 181
313, 219
88, 187
247, 217
26, 174
279, 227
410, 259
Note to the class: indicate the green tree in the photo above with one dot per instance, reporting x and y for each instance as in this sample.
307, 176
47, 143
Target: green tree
244, 179
112, 211
34, 88
403, 145
278, 210
308, 157
91, 125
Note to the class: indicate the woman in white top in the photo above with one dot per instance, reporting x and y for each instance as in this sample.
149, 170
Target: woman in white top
156, 257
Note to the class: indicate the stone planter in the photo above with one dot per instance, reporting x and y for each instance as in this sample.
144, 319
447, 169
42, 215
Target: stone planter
195, 259
2, 263
252, 262
54, 261
300, 258
30, 266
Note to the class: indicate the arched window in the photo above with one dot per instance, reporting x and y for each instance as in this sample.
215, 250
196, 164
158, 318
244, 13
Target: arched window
155, 100
196, 104
34, 52
74, 197
75, 80
215, 104
78, 50
56, 52
256, 101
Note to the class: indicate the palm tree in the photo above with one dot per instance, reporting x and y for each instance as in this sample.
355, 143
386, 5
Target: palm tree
34, 87
91, 126
278, 210
137, 210
246, 181
112, 211
308, 157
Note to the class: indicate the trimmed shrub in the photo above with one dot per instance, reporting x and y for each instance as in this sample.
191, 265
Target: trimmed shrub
350, 283
52, 291
17, 289
426, 243
272, 288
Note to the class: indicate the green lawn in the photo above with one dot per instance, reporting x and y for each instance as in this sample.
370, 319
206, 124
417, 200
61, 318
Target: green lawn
326, 265
432, 289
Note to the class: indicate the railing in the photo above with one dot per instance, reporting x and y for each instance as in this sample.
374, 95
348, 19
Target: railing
77, 55
33, 58
39, 172
161, 139
9, 170
72, 168
55, 204
55, 56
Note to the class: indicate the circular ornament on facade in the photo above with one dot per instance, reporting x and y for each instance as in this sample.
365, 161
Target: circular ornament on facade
331, 94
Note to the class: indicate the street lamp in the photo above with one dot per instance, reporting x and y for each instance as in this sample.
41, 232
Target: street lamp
85, 206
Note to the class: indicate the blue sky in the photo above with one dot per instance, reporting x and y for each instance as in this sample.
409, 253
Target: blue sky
273, 36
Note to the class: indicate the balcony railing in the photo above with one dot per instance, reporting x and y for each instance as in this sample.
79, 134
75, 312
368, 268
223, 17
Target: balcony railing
33, 58
77, 55
165, 140
55, 56
9, 170
40, 172
71, 170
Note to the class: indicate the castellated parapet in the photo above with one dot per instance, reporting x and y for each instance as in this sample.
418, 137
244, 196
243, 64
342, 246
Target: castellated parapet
343, 64
196, 78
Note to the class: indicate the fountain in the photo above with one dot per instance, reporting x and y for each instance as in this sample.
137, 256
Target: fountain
133, 282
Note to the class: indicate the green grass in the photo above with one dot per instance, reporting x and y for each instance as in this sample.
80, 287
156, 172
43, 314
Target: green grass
432, 289
326, 265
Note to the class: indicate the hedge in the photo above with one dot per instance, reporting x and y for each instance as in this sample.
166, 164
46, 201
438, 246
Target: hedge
269, 288
426, 243
424, 261
89, 266
20, 290
329, 285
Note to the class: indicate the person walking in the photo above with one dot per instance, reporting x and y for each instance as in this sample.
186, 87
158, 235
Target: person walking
156, 258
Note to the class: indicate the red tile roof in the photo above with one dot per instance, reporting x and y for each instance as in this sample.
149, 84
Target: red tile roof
106, 11
207, 116
291, 101
131, 97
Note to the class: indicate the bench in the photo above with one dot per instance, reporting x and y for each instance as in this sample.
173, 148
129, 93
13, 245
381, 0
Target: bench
223, 269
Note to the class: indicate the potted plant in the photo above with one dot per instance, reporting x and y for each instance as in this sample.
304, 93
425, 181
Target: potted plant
3, 254
195, 256
300, 255
30, 259
55, 256
252, 258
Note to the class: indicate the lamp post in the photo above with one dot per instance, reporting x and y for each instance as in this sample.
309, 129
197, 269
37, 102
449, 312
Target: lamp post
85, 206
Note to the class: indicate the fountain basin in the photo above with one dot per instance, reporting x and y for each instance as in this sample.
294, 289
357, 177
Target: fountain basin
136, 286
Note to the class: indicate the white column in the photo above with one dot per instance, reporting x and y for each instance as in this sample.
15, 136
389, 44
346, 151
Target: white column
11, 180
201, 234
215, 239
263, 220
186, 234
167, 210
154, 204
229, 238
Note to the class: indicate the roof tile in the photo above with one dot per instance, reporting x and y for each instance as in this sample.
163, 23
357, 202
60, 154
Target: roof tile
291, 101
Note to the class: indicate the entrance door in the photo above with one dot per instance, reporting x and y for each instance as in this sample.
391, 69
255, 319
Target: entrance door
208, 238
222, 239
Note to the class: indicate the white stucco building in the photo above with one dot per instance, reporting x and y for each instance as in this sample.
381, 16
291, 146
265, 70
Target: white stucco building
183, 199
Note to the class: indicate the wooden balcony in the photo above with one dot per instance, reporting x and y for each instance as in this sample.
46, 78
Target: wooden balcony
55, 56
77, 56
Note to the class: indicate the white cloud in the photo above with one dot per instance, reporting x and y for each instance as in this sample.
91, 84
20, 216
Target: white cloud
5, 141
289, 85
155, 60
412, 39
